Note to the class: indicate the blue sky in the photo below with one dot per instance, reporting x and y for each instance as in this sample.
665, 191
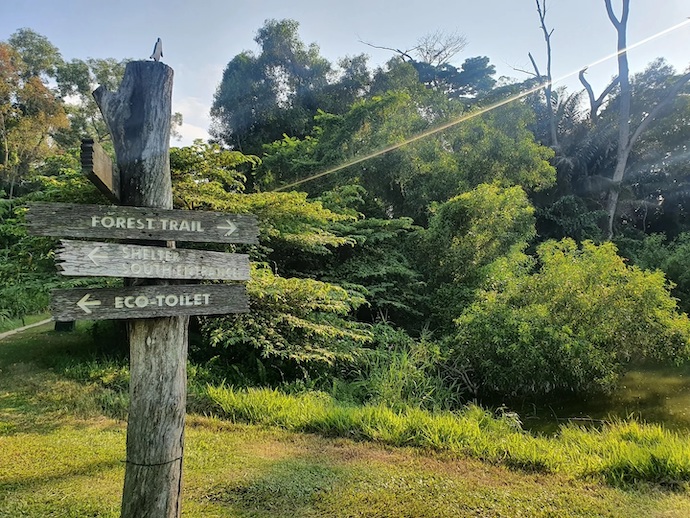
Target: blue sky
201, 36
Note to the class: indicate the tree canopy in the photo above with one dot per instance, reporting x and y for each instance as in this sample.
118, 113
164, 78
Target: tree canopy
403, 224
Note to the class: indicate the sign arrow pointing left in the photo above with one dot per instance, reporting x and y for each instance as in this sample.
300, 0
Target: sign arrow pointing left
85, 304
93, 255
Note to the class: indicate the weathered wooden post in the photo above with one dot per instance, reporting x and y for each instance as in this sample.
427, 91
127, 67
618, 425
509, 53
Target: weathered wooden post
138, 116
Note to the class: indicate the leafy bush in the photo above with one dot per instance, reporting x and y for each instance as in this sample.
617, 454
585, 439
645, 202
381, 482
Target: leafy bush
572, 323
672, 258
466, 234
399, 372
296, 325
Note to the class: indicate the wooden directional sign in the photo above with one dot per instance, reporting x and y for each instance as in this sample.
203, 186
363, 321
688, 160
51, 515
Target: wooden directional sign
148, 301
98, 168
110, 222
91, 259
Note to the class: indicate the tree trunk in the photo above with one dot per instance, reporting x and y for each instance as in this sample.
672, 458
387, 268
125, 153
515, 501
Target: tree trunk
623, 111
548, 88
155, 428
138, 117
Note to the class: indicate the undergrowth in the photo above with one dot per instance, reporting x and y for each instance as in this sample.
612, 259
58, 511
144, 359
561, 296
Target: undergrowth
621, 453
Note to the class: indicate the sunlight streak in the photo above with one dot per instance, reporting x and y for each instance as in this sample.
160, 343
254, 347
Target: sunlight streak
491, 107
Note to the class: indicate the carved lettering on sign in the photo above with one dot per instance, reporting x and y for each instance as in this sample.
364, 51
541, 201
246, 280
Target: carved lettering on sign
149, 301
109, 222
91, 259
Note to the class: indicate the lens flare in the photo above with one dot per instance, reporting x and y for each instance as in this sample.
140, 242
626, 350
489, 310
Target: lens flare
482, 111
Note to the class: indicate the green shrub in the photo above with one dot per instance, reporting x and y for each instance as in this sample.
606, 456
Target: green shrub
296, 328
572, 323
402, 372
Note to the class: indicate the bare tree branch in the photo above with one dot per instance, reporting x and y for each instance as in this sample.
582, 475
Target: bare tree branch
595, 104
439, 47
536, 68
403, 53
548, 87
618, 24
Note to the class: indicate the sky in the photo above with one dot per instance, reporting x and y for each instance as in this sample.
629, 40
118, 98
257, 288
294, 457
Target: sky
201, 36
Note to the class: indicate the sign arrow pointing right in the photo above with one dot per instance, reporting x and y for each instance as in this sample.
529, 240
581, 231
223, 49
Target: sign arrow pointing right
84, 303
230, 227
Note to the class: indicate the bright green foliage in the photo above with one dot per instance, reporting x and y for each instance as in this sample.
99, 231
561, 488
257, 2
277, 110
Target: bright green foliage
30, 113
499, 147
300, 321
399, 372
465, 235
472, 230
76, 80
261, 97
206, 164
494, 147
621, 453
207, 177
570, 320
378, 262
672, 258
38, 55
27, 265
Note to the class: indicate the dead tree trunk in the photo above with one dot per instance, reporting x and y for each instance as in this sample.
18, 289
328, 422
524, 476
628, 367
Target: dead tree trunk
627, 137
623, 110
548, 85
138, 116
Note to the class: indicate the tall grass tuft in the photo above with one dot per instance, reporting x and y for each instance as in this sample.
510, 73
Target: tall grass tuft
621, 453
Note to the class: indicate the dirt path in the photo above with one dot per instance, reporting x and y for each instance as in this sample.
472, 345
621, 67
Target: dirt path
20, 329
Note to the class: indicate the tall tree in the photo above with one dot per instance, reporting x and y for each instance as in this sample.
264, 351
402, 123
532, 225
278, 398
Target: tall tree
76, 80
30, 114
431, 58
547, 79
39, 56
278, 91
627, 134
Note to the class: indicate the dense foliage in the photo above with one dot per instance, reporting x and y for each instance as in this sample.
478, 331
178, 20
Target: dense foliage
414, 249
569, 319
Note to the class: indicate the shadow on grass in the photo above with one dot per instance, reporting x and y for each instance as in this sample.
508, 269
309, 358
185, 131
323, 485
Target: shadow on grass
33, 482
287, 487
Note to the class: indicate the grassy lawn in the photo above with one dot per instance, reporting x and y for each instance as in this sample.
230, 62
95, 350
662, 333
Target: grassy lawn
61, 456
9, 324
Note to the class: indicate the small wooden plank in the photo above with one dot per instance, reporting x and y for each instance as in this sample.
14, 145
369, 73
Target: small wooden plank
93, 259
148, 301
99, 168
150, 224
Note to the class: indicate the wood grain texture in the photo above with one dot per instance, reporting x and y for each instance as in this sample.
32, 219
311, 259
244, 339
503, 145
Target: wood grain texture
94, 259
98, 168
150, 224
155, 428
148, 301
138, 116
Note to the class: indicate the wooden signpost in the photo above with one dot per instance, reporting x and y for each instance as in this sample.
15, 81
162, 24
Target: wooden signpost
112, 222
148, 301
94, 259
138, 116
97, 167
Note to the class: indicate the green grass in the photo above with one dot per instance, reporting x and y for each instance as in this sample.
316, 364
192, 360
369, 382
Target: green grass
61, 456
7, 324
620, 453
